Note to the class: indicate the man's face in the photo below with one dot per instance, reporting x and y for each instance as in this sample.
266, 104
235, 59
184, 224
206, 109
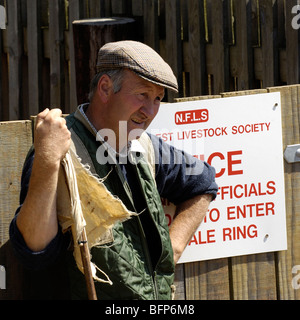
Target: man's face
137, 104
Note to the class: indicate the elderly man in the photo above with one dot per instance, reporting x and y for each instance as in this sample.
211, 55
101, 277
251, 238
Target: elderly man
140, 254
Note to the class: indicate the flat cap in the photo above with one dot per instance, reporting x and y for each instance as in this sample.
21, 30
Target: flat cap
139, 58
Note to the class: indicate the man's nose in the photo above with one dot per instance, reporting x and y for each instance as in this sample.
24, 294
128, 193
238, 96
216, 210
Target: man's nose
149, 109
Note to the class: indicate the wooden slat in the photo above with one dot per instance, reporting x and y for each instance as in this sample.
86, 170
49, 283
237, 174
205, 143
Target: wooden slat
196, 47
255, 25
88, 39
179, 283
242, 93
15, 141
94, 8
34, 44
150, 9
254, 277
75, 13
137, 8
195, 98
56, 38
241, 54
173, 42
281, 19
52, 283
1, 90
4, 85
184, 20
219, 50
267, 20
108, 8
15, 50
207, 280
292, 45
118, 7
269, 42
290, 100
1, 78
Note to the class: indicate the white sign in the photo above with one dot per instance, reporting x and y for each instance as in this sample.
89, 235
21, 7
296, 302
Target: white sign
241, 137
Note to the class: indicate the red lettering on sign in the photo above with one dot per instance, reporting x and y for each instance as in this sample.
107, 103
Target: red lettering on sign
230, 163
251, 211
203, 237
189, 117
239, 191
210, 159
236, 233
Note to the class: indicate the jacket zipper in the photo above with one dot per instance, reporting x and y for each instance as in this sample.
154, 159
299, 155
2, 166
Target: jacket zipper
153, 268
148, 258
141, 230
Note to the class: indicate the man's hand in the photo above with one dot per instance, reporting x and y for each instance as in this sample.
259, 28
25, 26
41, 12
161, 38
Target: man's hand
51, 137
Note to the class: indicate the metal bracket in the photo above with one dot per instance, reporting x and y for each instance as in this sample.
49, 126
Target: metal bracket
2, 278
292, 153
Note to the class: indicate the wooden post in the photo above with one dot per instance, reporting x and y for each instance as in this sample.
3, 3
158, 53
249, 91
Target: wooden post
15, 52
57, 53
173, 44
269, 42
89, 36
292, 46
16, 139
34, 56
85, 256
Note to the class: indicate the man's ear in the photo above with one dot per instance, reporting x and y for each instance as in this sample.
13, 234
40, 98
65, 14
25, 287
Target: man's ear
104, 88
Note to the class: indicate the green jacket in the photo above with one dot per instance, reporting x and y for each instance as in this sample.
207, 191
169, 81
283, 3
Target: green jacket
125, 256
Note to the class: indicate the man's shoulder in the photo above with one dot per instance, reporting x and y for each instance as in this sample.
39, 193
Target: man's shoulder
70, 119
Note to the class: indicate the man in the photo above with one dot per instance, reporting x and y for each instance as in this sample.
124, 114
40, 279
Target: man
139, 255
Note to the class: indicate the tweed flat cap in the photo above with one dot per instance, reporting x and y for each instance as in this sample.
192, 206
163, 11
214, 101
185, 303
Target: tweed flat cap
139, 58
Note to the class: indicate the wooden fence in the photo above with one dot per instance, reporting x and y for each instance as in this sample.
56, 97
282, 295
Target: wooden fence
266, 276
256, 277
213, 46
